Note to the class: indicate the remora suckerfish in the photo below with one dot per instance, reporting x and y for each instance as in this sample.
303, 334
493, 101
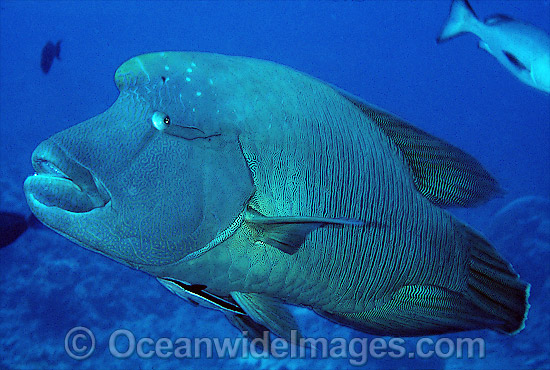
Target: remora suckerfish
244, 185
522, 48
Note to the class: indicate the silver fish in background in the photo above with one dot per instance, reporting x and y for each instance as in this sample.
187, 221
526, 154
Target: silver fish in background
243, 185
522, 48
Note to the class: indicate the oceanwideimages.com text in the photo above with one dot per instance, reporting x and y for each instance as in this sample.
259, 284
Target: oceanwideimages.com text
80, 344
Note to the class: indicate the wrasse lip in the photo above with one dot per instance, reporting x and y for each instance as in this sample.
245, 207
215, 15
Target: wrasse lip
46, 167
61, 181
59, 192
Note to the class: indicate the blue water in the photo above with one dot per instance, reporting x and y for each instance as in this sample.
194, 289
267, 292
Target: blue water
383, 51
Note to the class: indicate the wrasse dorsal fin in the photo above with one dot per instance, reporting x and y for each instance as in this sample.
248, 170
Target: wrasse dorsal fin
288, 233
446, 175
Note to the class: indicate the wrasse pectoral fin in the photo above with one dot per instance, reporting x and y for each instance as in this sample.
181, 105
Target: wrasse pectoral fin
288, 233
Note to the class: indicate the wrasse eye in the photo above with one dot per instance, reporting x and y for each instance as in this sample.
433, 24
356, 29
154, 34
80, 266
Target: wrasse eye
161, 121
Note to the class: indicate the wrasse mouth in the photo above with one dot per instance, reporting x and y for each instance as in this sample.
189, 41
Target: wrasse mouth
63, 183
46, 167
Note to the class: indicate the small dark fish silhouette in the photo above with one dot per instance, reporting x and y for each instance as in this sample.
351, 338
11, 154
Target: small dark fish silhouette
49, 52
12, 225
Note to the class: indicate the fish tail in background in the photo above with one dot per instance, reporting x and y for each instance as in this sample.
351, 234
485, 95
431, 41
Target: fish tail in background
58, 49
494, 286
461, 19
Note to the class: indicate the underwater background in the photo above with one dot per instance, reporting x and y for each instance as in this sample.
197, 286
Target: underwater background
383, 51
